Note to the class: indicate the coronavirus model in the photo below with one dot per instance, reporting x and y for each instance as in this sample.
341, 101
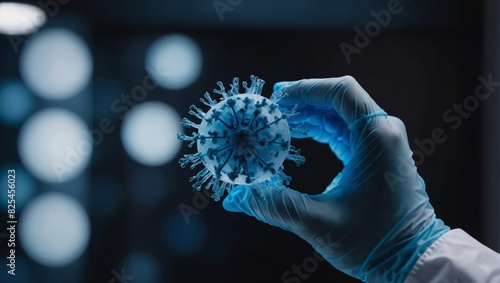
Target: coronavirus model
243, 139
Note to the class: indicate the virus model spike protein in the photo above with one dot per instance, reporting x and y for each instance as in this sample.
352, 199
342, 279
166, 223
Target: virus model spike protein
242, 140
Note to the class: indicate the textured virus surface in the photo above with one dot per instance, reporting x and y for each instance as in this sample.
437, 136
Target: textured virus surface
242, 139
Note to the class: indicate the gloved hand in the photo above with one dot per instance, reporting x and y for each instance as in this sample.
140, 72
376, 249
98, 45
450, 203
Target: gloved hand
375, 220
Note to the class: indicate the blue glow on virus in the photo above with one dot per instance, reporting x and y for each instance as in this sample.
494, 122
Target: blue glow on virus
242, 140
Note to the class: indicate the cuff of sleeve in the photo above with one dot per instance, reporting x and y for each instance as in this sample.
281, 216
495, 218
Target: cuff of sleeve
456, 257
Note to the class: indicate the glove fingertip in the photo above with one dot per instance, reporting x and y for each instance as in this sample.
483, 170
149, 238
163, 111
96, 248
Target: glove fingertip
233, 200
279, 85
230, 206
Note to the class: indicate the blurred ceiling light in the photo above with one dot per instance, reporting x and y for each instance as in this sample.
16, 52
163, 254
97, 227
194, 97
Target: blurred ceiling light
174, 61
16, 102
54, 145
54, 229
149, 133
20, 19
56, 64
181, 238
144, 264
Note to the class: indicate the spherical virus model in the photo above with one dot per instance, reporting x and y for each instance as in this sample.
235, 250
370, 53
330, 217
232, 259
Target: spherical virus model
242, 140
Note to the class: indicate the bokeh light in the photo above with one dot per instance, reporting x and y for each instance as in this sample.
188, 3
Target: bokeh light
149, 133
54, 145
182, 238
54, 229
26, 186
143, 266
20, 19
16, 102
174, 61
56, 64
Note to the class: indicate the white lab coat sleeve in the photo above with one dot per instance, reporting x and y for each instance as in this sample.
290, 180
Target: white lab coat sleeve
456, 257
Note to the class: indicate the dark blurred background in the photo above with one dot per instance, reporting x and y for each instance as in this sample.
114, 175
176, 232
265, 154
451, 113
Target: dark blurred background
131, 209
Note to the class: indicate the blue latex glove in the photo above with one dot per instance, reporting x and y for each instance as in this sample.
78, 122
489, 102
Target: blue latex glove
375, 220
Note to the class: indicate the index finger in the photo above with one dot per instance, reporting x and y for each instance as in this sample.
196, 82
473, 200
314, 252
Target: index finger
344, 94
